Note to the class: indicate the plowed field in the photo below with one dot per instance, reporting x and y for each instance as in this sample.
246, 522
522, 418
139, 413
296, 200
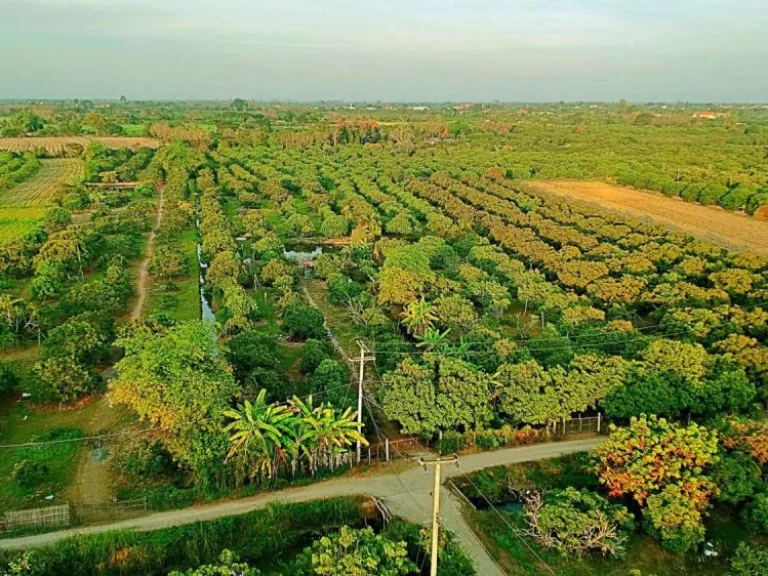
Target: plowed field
734, 231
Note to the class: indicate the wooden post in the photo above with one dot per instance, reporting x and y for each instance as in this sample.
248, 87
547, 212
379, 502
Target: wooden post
598, 421
386, 449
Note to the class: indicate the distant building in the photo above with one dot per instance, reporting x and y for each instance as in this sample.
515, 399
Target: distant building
707, 115
419, 108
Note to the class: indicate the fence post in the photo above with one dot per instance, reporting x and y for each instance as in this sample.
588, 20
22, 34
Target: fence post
599, 415
369, 454
580, 423
386, 449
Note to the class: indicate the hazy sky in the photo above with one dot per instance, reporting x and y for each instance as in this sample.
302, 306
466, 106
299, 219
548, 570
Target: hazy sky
703, 50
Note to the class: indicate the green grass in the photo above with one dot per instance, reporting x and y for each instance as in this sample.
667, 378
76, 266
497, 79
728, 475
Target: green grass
182, 303
21, 360
135, 129
336, 317
60, 460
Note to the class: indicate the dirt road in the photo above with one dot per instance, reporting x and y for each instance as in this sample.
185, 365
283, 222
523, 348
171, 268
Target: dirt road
729, 229
143, 281
407, 494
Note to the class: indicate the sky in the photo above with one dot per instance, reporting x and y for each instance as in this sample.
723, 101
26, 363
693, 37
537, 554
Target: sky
389, 50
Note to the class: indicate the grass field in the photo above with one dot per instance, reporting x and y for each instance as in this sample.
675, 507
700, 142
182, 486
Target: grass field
183, 302
732, 230
55, 145
23, 206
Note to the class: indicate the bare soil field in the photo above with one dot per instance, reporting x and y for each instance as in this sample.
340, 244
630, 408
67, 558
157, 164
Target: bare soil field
55, 145
729, 229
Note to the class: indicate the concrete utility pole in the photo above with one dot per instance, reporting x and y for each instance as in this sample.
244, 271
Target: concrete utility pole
363, 359
436, 502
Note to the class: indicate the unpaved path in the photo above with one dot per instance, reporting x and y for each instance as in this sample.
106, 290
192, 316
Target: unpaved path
729, 229
334, 341
144, 281
407, 494
92, 481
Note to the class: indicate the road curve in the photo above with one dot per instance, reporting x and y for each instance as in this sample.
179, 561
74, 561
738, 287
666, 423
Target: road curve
407, 494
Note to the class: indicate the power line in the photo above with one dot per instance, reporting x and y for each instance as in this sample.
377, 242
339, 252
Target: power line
514, 530
659, 326
574, 346
394, 468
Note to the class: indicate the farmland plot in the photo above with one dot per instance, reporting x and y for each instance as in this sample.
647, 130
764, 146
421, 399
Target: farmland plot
56, 145
734, 231
22, 206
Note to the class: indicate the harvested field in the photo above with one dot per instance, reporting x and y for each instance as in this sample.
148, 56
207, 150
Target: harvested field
732, 230
56, 145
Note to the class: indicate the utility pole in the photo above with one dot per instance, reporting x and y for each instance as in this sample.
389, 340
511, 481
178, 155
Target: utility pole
363, 359
436, 502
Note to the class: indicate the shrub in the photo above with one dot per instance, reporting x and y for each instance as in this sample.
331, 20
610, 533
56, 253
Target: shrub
8, 379
312, 354
252, 349
578, 522
329, 375
29, 474
756, 513
749, 561
327, 265
302, 322
452, 441
341, 290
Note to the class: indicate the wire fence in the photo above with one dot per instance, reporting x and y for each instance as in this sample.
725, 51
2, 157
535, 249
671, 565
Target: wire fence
63, 515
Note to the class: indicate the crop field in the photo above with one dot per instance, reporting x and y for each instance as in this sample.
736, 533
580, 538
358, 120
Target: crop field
41, 189
494, 302
732, 230
56, 145
22, 207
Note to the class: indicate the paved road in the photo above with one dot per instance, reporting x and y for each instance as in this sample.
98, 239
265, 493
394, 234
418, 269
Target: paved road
407, 494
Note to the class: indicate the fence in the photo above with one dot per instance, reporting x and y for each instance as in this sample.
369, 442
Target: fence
583, 424
393, 450
66, 514
111, 511
49, 516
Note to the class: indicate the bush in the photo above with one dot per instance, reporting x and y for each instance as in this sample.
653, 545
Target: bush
8, 379
756, 513
737, 475
250, 350
329, 375
30, 475
302, 322
327, 265
341, 290
749, 561
578, 522
487, 440
140, 458
452, 441
312, 354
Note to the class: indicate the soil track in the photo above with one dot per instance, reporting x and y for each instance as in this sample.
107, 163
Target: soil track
734, 231
143, 282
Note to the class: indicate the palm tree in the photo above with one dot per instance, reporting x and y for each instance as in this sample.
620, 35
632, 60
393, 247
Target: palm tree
434, 341
327, 433
258, 435
418, 317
